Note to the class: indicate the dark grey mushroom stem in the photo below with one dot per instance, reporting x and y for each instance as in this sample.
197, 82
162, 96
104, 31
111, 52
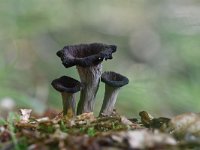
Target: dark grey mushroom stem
87, 58
113, 82
90, 78
109, 101
69, 103
67, 86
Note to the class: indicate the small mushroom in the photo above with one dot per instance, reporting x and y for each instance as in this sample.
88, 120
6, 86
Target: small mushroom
87, 58
113, 82
67, 86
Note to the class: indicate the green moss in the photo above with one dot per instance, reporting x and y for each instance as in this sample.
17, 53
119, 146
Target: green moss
91, 131
2, 122
63, 127
46, 128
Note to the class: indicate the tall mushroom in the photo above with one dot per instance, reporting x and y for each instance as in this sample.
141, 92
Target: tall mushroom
67, 86
87, 58
113, 82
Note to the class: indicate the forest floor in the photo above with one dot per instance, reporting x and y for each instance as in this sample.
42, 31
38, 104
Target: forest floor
87, 132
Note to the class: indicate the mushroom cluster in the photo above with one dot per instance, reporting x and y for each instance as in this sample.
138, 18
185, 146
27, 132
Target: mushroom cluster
88, 60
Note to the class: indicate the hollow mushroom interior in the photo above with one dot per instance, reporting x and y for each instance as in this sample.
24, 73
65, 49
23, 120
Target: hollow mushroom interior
114, 79
66, 84
84, 51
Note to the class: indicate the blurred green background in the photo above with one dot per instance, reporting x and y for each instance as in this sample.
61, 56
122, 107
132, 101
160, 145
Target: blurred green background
158, 50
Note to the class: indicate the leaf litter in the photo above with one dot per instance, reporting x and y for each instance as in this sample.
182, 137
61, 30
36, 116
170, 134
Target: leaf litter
99, 133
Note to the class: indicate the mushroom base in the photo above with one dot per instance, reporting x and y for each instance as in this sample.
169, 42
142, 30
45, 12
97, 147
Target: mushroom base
109, 101
69, 104
90, 78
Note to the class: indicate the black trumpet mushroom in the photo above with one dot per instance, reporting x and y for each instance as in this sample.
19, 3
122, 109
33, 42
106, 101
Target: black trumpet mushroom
87, 58
67, 86
113, 82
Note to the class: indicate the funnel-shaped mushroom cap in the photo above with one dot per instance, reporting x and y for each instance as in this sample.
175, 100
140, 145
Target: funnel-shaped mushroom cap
85, 55
114, 79
66, 84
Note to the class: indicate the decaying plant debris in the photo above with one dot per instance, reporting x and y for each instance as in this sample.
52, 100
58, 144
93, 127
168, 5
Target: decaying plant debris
94, 133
